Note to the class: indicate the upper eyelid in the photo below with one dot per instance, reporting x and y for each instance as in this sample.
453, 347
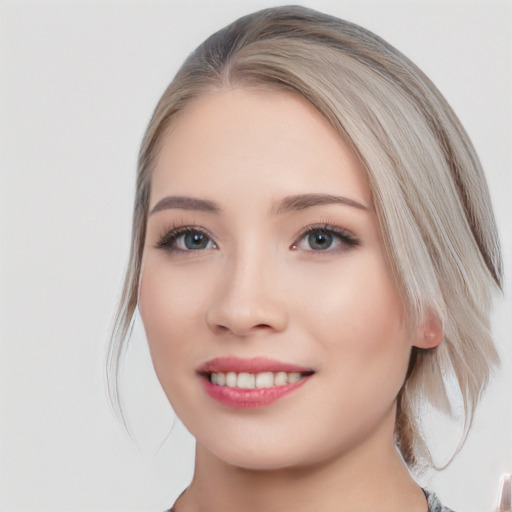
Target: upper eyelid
346, 239
177, 231
337, 230
341, 232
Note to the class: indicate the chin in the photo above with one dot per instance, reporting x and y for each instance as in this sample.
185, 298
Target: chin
263, 460
279, 454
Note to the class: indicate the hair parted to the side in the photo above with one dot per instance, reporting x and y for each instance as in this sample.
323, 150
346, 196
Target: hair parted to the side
428, 187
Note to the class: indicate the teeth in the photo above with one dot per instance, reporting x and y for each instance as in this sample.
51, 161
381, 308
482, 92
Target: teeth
245, 381
250, 380
293, 377
264, 380
281, 378
231, 379
221, 379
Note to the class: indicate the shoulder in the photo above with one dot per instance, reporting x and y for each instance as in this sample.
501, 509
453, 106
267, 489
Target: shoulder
434, 505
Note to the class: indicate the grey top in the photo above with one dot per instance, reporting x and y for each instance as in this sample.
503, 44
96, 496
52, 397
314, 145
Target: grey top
434, 505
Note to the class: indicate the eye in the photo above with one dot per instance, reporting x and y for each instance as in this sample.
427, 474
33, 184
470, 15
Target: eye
185, 239
320, 241
325, 239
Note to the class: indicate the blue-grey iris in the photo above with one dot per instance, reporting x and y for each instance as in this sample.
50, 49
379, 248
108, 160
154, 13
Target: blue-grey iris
320, 240
195, 241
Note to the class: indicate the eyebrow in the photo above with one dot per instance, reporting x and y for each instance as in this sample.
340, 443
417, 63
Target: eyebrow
290, 203
185, 203
303, 201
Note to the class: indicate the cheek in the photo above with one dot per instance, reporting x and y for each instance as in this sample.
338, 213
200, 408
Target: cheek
358, 317
365, 347
169, 307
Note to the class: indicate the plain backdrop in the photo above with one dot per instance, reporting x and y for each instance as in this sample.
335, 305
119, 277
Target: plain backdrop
79, 80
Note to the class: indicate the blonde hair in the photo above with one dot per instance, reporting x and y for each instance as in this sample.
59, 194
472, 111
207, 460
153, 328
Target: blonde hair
429, 190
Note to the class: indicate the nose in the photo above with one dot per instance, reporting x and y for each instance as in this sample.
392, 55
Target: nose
249, 298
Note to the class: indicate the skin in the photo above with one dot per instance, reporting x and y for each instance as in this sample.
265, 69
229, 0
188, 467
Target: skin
259, 289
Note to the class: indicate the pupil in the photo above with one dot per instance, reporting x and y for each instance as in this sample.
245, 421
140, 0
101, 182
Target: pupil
195, 241
318, 241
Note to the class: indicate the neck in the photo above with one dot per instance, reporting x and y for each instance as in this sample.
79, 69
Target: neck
370, 477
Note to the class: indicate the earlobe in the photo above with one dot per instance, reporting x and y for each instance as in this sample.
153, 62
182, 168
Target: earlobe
429, 333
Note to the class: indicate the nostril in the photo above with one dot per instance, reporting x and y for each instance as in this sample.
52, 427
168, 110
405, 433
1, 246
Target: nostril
221, 329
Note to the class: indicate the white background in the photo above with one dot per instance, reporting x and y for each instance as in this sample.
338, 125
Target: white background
79, 80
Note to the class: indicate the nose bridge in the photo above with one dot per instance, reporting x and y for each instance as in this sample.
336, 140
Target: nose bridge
248, 297
251, 268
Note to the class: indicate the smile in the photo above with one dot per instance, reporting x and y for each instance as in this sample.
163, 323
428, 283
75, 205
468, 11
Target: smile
256, 382
261, 380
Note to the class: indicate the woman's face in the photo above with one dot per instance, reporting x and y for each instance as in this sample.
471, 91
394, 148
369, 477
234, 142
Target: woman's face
264, 270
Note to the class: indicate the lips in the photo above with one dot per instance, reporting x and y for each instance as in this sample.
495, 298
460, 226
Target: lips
254, 382
252, 365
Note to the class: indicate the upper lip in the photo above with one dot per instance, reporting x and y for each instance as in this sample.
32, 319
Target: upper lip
249, 365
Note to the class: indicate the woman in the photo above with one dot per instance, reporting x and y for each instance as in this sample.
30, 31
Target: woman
313, 257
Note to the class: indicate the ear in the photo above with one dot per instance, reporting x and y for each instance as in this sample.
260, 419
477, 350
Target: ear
429, 332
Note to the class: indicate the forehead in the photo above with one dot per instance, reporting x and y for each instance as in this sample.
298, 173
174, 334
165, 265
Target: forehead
253, 141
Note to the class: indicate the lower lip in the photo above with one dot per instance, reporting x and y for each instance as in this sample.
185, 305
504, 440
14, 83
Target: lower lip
249, 398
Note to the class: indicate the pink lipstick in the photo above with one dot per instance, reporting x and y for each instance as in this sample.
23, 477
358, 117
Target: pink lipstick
255, 382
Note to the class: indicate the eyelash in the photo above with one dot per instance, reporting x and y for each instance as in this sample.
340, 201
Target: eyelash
168, 240
346, 237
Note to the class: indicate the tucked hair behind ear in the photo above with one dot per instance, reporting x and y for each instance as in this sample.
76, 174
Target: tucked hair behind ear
428, 187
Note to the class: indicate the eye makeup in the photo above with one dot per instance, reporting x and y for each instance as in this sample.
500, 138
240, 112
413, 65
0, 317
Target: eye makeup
320, 238
181, 239
326, 239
